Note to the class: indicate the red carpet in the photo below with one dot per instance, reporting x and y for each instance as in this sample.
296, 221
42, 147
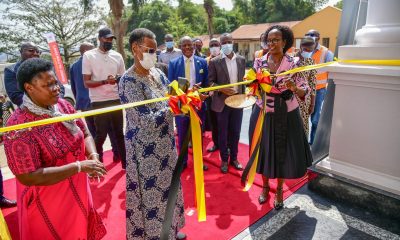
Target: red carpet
229, 209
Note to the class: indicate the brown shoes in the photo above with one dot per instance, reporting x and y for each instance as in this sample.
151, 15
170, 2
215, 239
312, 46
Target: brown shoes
236, 165
224, 167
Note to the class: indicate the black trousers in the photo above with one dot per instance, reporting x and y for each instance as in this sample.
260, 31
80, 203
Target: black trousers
229, 125
102, 123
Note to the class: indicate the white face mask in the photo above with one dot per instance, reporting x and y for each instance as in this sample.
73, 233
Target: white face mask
215, 51
149, 60
227, 48
306, 54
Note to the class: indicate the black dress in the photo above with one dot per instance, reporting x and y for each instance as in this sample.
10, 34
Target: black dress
284, 149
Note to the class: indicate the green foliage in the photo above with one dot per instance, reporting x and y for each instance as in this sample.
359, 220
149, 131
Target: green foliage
262, 11
29, 20
339, 4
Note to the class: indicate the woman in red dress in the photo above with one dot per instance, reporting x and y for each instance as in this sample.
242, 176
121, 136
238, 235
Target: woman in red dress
50, 162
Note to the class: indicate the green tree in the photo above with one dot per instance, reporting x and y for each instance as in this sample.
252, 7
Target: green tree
262, 11
339, 4
118, 19
209, 8
29, 20
153, 16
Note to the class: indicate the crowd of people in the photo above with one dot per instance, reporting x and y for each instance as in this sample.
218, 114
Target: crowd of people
54, 163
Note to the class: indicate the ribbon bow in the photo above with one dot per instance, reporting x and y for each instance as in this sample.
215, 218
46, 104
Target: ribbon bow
188, 103
260, 78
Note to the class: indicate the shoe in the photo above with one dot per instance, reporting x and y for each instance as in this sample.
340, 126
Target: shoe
236, 165
212, 149
7, 203
180, 236
263, 198
278, 202
224, 167
205, 167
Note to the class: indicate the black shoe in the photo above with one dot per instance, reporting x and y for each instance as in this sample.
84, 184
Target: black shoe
212, 149
180, 236
224, 167
236, 165
7, 203
278, 202
205, 167
263, 198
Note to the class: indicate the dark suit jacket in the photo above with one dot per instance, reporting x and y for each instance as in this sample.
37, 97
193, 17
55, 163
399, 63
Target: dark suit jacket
176, 69
218, 75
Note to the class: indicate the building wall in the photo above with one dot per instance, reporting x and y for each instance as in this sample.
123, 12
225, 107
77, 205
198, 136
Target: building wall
246, 48
326, 21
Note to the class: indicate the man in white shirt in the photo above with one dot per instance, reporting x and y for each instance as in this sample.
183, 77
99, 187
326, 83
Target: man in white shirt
100, 68
170, 52
227, 68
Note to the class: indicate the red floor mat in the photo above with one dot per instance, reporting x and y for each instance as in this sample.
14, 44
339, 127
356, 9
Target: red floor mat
229, 209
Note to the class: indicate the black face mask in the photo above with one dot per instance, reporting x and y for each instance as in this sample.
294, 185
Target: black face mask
107, 46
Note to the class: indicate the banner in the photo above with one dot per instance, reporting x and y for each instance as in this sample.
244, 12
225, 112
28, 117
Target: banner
56, 57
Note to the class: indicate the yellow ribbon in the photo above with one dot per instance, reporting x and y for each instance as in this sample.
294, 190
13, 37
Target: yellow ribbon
256, 137
136, 104
197, 151
4, 233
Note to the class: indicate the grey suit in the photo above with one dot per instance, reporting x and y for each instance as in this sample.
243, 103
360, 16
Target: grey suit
229, 119
218, 74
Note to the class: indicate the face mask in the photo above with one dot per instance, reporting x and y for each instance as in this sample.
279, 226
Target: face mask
306, 54
107, 46
263, 45
215, 51
169, 44
149, 60
227, 48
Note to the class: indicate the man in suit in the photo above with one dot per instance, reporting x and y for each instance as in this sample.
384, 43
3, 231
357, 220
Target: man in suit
194, 69
227, 68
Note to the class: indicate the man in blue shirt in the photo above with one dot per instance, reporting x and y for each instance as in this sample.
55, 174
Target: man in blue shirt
81, 94
27, 50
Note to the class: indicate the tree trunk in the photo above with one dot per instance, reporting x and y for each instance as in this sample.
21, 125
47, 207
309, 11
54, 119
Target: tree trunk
119, 26
210, 27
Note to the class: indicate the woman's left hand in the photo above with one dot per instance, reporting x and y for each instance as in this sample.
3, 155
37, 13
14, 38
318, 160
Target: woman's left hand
291, 85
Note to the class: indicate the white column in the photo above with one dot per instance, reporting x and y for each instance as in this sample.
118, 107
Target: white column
380, 37
365, 136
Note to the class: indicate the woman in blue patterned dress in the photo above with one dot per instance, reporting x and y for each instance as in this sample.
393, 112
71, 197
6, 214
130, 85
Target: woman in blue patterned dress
150, 145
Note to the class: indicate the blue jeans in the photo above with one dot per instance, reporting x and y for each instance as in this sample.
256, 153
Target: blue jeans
319, 99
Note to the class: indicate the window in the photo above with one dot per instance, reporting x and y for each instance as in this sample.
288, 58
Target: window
298, 41
325, 42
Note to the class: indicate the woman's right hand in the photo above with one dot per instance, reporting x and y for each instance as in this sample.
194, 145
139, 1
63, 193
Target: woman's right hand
93, 167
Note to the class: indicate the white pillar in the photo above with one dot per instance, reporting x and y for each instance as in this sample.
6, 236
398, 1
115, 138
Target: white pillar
380, 37
365, 136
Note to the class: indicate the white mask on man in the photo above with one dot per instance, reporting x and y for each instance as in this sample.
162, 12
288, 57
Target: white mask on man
215, 51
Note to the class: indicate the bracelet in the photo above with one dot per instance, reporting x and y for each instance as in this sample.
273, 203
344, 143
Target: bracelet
79, 166
94, 153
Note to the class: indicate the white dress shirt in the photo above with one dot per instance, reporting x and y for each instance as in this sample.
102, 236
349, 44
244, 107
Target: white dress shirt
192, 79
232, 69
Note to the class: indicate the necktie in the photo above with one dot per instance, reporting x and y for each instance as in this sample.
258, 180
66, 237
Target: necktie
187, 69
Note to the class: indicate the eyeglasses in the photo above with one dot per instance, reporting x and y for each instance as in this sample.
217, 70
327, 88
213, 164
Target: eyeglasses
274, 41
33, 50
311, 35
149, 50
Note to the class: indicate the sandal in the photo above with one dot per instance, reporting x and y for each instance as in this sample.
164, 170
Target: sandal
264, 195
278, 202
